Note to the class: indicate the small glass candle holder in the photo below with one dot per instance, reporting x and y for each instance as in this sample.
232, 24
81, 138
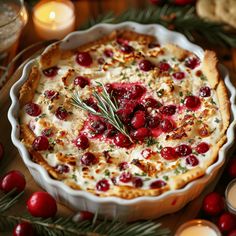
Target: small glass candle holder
230, 196
198, 227
54, 19
13, 17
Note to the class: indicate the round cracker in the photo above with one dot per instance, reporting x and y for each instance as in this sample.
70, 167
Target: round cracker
226, 10
207, 10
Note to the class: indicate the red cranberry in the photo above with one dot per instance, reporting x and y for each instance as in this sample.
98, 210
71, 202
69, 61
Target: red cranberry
139, 107
85, 215
157, 184
166, 125
101, 61
192, 102
178, 75
192, 62
102, 185
137, 182
153, 121
213, 204
232, 168
51, 94
42, 204
123, 165
90, 102
82, 142
51, 72
124, 114
232, 233
168, 110
88, 159
121, 140
62, 168
127, 49
183, 2
61, 113
145, 65
98, 126
205, 92
122, 41
125, 177
151, 102
183, 150
13, 180
1, 151
47, 132
81, 81
202, 147
32, 109
23, 229
119, 92
108, 52
40, 143
141, 133
111, 131
227, 222
163, 66
84, 59
138, 119
136, 92
192, 160
169, 153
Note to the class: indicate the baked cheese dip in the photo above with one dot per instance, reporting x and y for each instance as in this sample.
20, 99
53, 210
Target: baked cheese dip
124, 116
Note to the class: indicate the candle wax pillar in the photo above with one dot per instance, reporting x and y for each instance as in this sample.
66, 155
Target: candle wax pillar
54, 19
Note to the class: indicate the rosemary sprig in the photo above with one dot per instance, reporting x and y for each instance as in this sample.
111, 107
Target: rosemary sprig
65, 226
107, 106
182, 19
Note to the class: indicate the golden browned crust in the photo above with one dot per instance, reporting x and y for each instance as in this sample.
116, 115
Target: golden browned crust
209, 68
176, 51
28, 89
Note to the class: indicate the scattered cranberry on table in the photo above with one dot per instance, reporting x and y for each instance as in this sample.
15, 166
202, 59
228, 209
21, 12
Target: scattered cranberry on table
42, 204
13, 180
213, 204
23, 229
227, 222
232, 233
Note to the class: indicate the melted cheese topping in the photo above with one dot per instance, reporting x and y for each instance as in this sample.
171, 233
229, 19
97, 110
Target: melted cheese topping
119, 69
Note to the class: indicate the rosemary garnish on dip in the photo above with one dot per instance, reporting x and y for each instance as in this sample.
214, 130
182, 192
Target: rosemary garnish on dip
107, 108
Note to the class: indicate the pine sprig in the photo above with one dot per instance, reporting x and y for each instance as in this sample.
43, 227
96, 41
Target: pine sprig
182, 19
107, 106
66, 226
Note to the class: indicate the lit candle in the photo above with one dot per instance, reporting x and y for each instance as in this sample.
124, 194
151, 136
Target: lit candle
54, 19
230, 196
197, 228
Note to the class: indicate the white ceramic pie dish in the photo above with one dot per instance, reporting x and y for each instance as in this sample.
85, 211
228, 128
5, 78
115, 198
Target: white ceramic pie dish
111, 207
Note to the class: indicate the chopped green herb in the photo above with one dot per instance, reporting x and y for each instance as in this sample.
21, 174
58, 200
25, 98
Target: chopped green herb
165, 177
107, 172
143, 174
150, 141
203, 77
160, 93
217, 120
181, 94
74, 177
212, 101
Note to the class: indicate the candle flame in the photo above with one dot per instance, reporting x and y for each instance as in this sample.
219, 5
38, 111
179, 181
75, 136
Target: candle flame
52, 15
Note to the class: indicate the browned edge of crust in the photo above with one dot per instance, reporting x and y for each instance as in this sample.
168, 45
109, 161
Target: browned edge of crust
27, 90
27, 138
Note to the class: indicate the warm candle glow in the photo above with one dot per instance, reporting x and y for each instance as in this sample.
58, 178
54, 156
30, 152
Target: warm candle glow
54, 19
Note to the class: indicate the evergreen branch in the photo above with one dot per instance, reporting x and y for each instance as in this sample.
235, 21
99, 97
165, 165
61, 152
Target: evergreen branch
66, 226
182, 19
8, 200
107, 108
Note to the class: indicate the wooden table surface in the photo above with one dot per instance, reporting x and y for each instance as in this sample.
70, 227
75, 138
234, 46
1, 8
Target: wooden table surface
12, 159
